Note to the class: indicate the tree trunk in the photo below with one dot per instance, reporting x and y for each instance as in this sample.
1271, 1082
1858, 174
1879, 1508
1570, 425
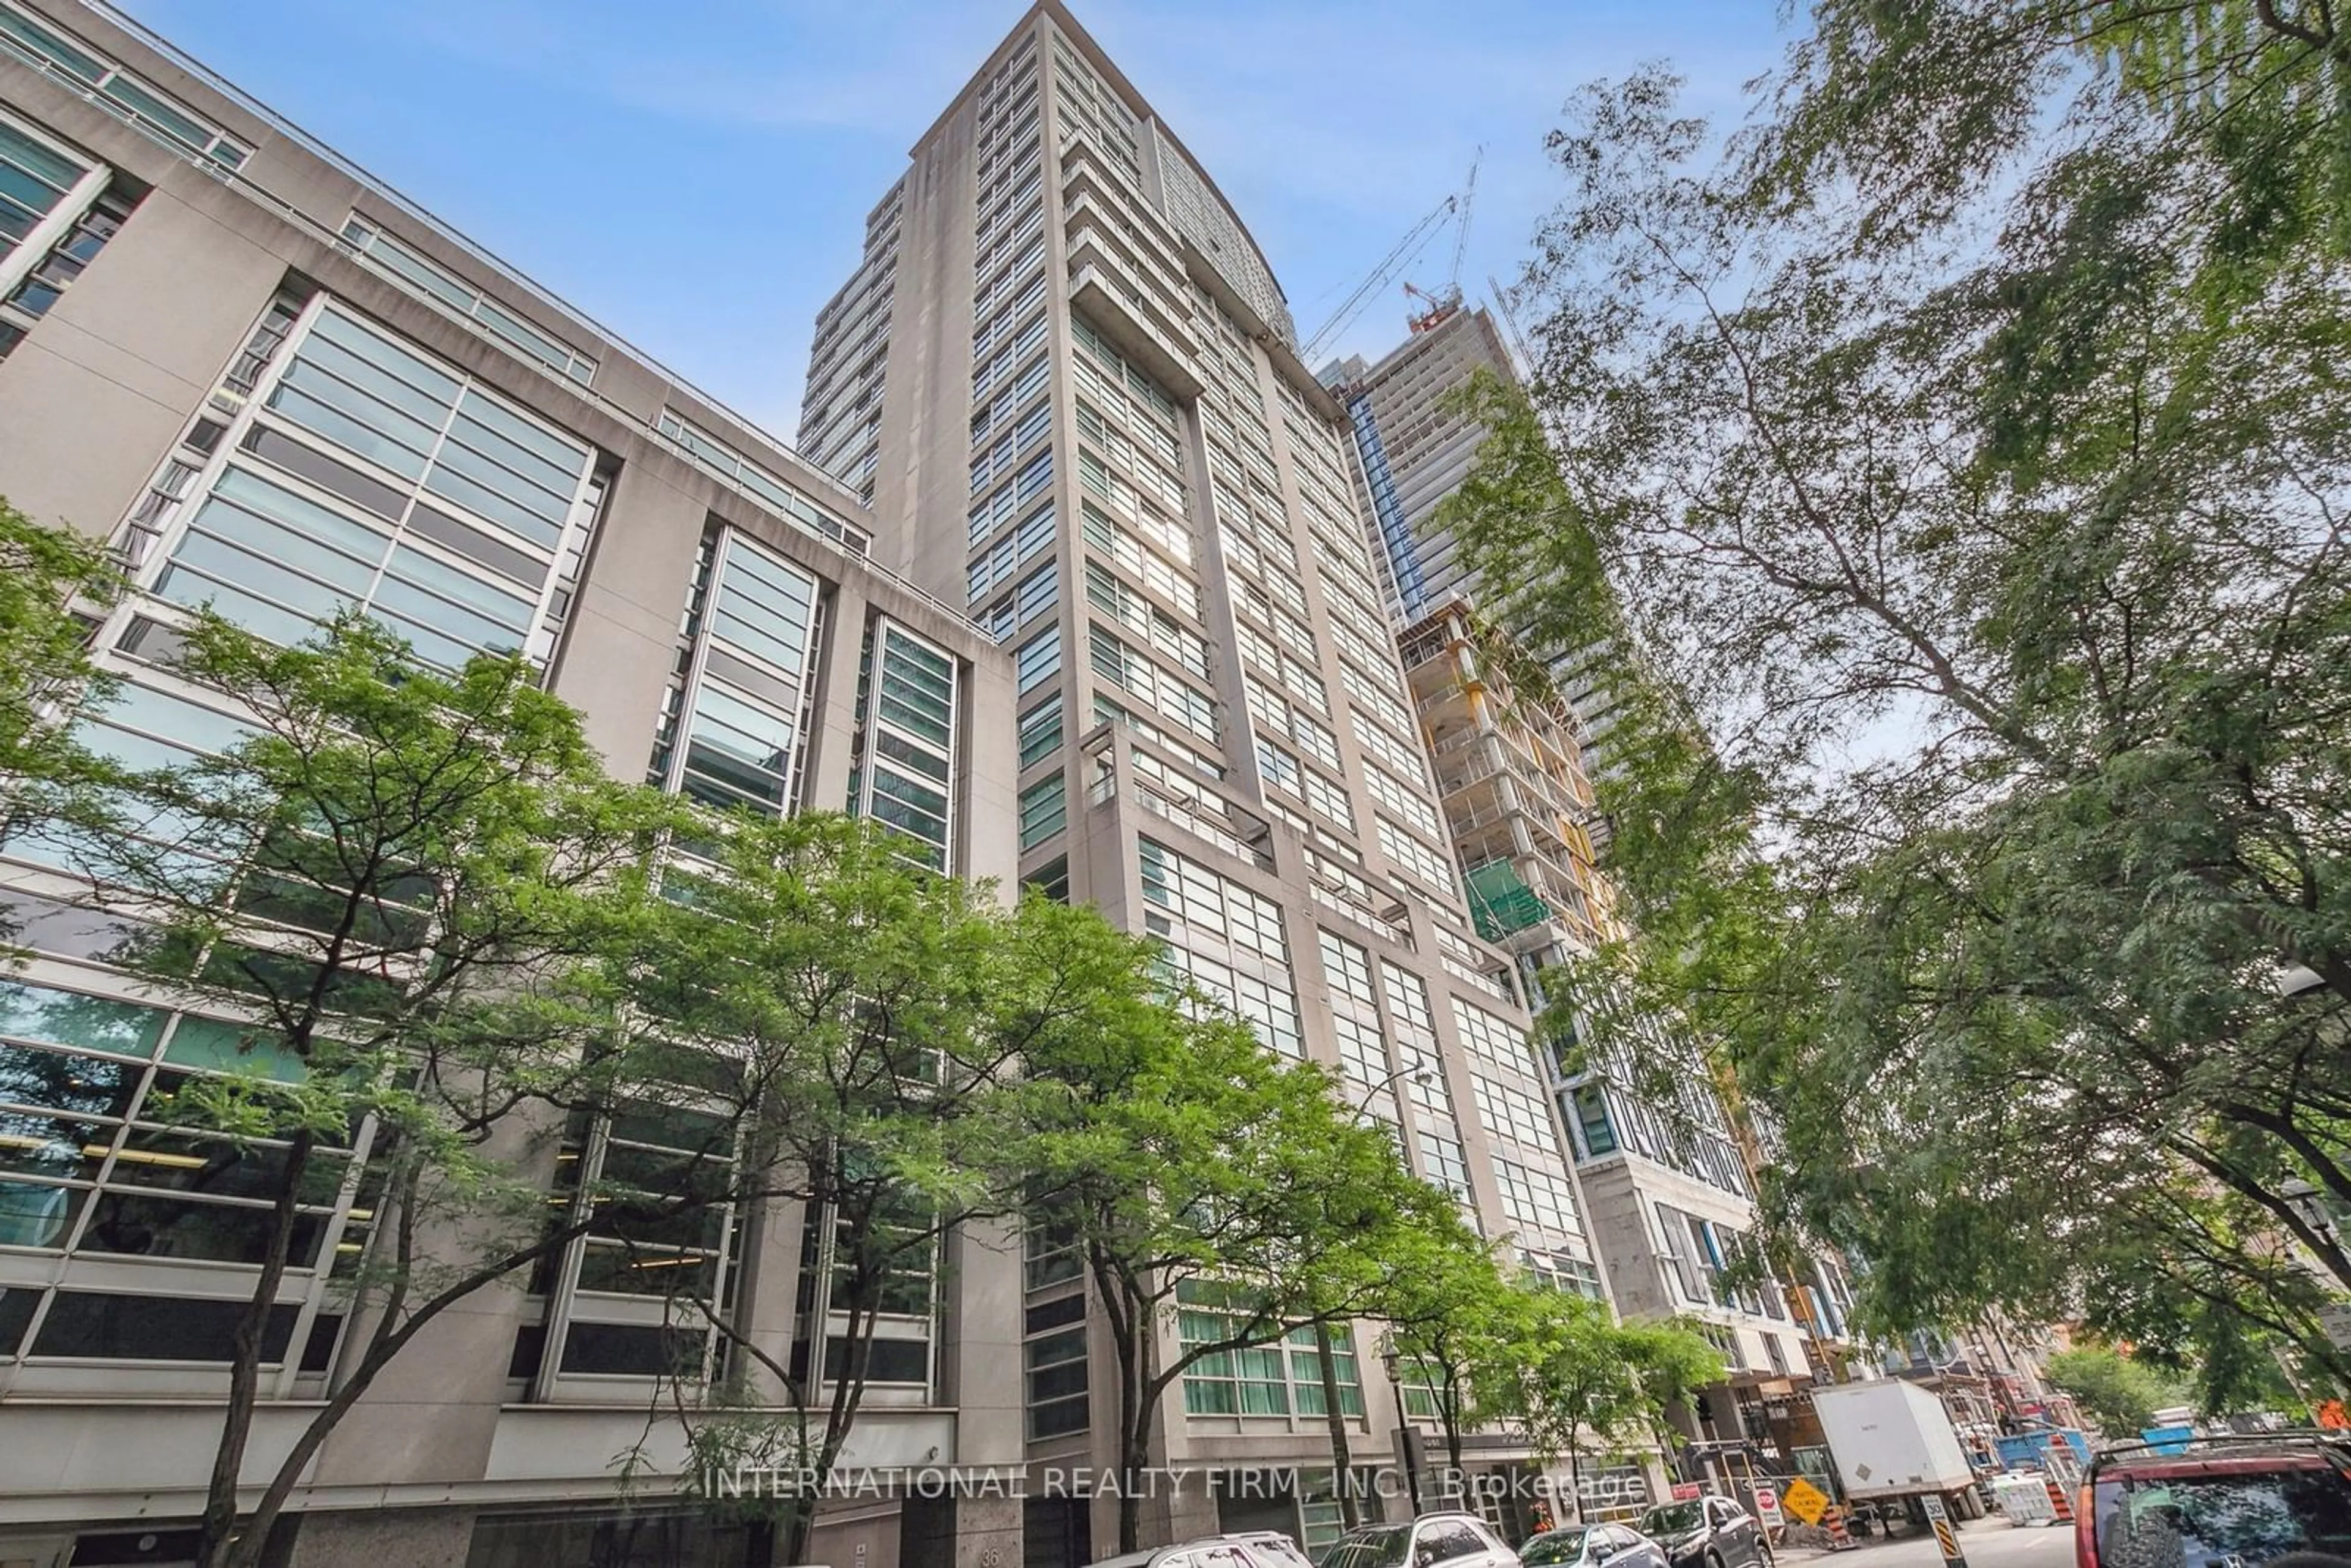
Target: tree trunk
244, 1552
795, 1528
217, 1535
1134, 1457
1575, 1474
1131, 1322
1342, 1462
1449, 1410
840, 1414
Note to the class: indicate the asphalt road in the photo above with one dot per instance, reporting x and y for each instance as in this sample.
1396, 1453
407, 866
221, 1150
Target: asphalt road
1985, 1544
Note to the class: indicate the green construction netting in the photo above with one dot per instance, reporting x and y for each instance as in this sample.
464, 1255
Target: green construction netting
1501, 903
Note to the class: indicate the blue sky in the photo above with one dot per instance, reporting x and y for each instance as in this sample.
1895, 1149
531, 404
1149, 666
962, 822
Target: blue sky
695, 173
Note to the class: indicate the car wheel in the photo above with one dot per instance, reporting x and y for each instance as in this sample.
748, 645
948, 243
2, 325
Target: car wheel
1763, 1558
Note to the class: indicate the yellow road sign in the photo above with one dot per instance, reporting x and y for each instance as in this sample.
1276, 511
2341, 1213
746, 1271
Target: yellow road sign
1805, 1500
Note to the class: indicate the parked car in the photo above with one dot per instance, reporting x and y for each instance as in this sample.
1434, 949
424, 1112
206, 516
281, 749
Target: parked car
1588, 1545
1432, 1541
1244, 1549
1272, 1549
1707, 1533
2214, 1503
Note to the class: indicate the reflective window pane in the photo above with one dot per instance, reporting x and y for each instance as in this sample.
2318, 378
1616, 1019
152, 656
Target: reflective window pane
504, 491
215, 1045
214, 1167
154, 1328
37, 1213
71, 1018
61, 1148
16, 1312
632, 1350
645, 1271
172, 1227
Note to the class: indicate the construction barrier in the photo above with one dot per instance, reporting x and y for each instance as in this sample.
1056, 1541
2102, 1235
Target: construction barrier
1833, 1521
2023, 1497
2061, 1507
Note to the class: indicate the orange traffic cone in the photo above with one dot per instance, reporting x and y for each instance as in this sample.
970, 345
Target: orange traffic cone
1833, 1521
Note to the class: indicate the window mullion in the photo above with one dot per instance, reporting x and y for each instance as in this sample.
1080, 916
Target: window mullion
306, 1315
44, 235
698, 660
559, 1299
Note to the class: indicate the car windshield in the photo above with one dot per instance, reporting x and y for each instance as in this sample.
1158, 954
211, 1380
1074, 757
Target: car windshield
1369, 1548
2202, 1521
1674, 1519
1558, 1546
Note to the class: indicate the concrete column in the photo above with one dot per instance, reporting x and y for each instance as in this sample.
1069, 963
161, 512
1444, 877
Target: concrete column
987, 845
771, 1271
835, 731
1660, 1479
412, 1537
434, 1413
1169, 1516
99, 394
983, 1367
622, 644
862, 1535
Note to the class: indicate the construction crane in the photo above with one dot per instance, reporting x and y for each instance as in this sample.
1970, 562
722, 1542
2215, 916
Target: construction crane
1443, 303
1408, 250
1440, 306
1518, 341
1461, 234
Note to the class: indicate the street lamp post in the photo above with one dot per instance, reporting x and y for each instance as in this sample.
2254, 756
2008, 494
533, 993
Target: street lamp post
1394, 1362
1417, 1074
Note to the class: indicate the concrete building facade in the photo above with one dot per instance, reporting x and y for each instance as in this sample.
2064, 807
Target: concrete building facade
1666, 1170
280, 389
1089, 505
1067, 378
1416, 450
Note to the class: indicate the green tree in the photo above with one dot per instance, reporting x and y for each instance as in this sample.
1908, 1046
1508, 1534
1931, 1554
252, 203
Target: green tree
1457, 1327
1968, 477
1914, 114
2116, 1392
1200, 1180
872, 1011
1588, 1379
1671, 1363
395, 879
46, 671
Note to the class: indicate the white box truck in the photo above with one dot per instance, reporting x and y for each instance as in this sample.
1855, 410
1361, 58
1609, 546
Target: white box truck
1891, 1439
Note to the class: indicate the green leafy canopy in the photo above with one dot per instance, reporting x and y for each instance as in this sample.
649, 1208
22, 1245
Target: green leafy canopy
1959, 459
